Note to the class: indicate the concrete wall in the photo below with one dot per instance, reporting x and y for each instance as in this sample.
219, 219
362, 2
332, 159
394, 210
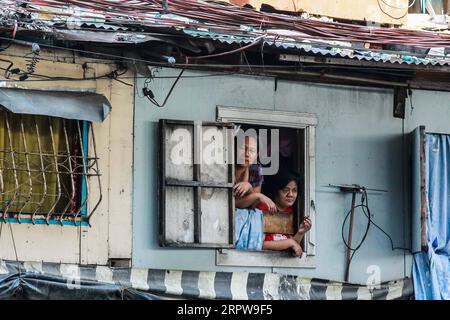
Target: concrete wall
357, 141
110, 234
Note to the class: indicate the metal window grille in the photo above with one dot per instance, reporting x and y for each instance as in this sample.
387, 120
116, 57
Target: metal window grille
45, 170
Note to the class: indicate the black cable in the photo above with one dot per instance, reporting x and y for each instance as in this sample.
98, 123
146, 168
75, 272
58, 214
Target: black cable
149, 94
366, 210
365, 233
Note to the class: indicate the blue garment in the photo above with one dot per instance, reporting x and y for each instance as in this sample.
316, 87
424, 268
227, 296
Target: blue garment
249, 229
431, 270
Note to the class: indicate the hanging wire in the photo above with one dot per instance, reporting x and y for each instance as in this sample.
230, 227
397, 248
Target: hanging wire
232, 19
396, 7
364, 205
148, 93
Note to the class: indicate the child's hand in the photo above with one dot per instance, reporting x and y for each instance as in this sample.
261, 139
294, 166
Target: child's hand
305, 226
241, 189
271, 206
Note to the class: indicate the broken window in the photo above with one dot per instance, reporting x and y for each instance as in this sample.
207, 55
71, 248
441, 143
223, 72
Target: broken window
45, 168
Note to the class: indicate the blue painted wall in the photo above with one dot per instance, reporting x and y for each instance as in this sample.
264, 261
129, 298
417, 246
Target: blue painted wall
357, 141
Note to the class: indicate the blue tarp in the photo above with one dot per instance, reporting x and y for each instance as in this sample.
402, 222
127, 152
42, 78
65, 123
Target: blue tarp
431, 270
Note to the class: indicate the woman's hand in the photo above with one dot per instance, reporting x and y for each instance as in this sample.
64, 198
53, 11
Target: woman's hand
241, 189
305, 226
297, 250
271, 206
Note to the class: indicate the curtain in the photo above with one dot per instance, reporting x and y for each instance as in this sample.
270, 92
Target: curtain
431, 269
36, 166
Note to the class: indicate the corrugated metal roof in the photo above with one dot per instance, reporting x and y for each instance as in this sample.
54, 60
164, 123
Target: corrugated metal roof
325, 49
61, 21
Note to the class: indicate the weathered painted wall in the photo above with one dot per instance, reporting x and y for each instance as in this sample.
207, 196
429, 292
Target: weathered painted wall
110, 234
386, 11
357, 141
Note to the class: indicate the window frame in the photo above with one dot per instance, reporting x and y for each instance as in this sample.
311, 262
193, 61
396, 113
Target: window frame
287, 119
83, 217
197, 184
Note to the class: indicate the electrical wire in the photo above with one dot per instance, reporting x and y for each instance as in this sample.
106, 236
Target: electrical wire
400, 8
218, 66
150, 96
390, 15
164, 64
230, 19
366, 210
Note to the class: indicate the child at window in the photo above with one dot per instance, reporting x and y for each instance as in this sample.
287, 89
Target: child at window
248, 176
283, 189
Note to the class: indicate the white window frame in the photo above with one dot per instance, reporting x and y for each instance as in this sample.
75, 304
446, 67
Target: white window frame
296, 120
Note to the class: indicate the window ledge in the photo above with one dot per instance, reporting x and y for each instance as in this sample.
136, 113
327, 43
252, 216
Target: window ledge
273, 259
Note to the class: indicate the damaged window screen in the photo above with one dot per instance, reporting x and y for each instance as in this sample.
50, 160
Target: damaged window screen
196, 181
44, 169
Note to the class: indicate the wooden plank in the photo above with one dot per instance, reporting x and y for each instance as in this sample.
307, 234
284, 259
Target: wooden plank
162, 185
179, 161
381, 11
184, 183
121, 172
229, 151
299, 162
179, 215
214, 164
423, 191
198, 189
214, 218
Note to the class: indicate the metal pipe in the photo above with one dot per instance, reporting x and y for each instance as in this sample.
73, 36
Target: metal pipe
350, 235
58, 181
16, 181
30, 180
339, 77
72, 177
44, 178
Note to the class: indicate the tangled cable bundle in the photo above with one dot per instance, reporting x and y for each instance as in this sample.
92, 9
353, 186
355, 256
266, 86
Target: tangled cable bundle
229, 18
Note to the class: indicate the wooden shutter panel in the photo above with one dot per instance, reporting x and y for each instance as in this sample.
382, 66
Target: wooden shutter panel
196, 200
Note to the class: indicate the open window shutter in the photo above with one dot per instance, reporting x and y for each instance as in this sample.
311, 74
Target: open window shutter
196, 184
419, 190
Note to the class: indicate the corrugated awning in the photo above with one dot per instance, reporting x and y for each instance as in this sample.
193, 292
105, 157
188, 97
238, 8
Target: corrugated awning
61, 104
